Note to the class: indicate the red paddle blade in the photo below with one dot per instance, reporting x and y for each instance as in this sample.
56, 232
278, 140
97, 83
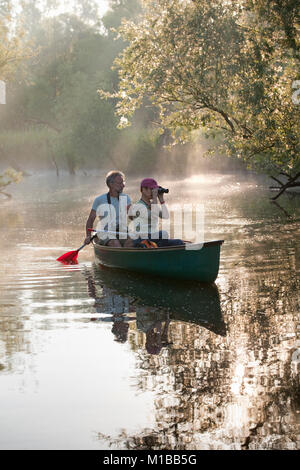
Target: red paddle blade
69, 258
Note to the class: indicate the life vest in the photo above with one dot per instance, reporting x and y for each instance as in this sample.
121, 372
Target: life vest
147, 244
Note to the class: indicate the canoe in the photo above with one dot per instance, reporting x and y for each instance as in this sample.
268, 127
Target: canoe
184, 262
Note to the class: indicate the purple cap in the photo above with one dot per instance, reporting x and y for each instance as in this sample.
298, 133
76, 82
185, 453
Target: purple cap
149, 183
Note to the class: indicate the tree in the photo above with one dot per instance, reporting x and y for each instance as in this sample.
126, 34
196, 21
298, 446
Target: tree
120, 10
55, 115
225, 67
58, 92
13, 50
12, 47
9, 176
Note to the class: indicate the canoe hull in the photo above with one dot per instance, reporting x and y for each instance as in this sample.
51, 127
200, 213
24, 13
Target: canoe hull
171, 262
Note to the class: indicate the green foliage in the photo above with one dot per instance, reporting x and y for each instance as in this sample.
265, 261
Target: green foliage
9, 176
13, 48
140, 150
21, 147
226, 67
55, 98
59, 92
120, 10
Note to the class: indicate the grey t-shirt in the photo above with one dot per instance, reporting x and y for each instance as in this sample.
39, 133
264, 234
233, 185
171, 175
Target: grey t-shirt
148, 216
115, 203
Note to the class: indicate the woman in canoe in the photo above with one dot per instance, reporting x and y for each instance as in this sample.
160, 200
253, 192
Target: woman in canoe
148, 212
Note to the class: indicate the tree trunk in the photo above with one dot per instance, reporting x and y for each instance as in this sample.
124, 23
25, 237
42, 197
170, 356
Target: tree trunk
55, 164
71, 165
291, 183
9, 196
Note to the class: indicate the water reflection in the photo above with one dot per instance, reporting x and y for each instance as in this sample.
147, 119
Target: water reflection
155, 304
218, 386
285, 212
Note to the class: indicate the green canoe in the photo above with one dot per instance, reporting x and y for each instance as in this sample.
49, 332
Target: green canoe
185, 262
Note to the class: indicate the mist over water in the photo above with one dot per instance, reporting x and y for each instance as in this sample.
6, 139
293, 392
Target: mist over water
93, 358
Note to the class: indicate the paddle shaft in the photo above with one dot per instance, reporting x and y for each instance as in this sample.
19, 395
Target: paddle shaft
85, 244
114, 232
122, 233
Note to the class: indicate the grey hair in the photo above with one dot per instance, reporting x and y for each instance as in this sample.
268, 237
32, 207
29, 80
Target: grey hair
110, 177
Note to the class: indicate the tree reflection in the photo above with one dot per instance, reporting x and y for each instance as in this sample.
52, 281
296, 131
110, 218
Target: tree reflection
217, 387
176, 326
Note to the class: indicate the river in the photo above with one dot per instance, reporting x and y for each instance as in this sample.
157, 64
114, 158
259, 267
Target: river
97, 359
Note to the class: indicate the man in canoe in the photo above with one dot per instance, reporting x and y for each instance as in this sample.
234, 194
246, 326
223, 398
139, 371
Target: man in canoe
149, 212
108, 205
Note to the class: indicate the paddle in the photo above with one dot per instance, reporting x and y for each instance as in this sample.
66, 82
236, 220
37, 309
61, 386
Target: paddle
110, 232
71, 256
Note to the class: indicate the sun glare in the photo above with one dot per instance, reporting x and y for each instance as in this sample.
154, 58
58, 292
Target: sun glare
68, 6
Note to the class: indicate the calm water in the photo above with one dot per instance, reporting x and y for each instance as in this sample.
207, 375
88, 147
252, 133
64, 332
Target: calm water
96, 359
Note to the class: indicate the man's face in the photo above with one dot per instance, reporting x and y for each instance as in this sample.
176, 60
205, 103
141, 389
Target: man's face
118, 184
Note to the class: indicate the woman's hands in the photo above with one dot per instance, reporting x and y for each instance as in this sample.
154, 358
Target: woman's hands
156, 195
